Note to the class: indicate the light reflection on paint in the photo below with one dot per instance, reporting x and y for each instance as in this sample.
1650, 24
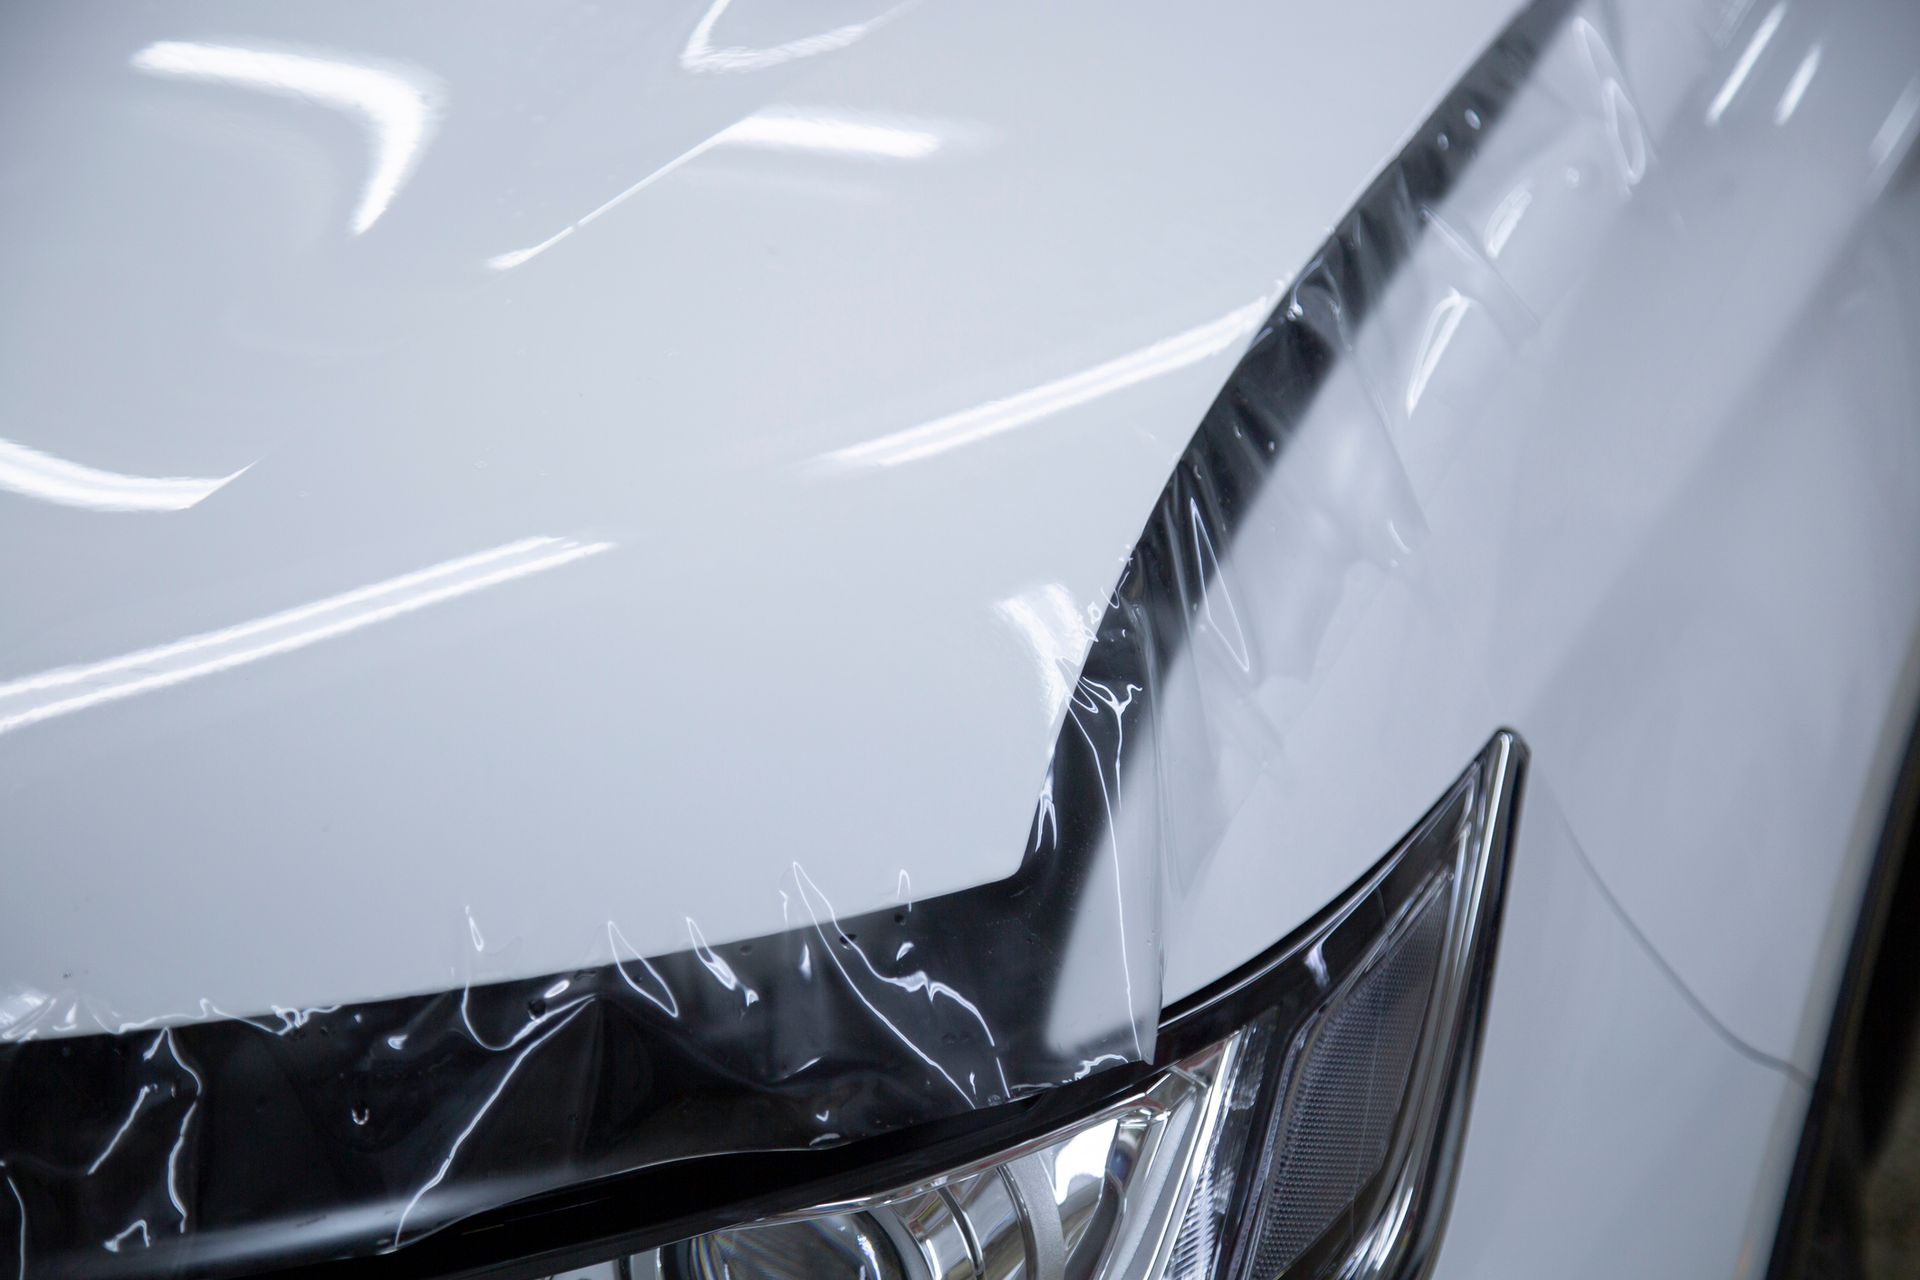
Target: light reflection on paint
700, 55
1891, 138
399, 107
32, 699
832, 135
973, 425
823, 133
1797, 87
1441, 326
1506, 216
1762, 35
1057, 635
28, 471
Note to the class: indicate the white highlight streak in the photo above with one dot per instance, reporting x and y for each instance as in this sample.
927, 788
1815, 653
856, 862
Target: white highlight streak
700, 55
139, 1100
41, 475
180, 1142
453, 1151
1506, 217
23, 1226
1887, 137
1744, 67
1056, 635
113, 1243
398, 107
160, 667
1797, 87
617, 940
832, 135
774, 129
1441, 326
994, 417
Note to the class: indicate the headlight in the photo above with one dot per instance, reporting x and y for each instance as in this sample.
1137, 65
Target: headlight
1307, 1125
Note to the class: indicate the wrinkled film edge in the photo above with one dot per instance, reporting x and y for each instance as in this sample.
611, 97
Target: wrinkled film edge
1452, 864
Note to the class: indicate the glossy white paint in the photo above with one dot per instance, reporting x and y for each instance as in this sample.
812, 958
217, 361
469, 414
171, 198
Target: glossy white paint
1646, 403
542, 468
1613, 1132
1723, 698
1779, 691
1646, 408
532, 480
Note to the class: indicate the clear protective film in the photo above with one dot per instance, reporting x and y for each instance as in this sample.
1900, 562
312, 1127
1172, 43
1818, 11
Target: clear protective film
220, 1145
1307, 1124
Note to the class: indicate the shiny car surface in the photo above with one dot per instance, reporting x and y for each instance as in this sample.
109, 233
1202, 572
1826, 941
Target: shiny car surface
841, 596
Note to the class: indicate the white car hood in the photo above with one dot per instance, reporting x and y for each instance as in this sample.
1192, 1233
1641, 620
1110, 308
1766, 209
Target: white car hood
480, 489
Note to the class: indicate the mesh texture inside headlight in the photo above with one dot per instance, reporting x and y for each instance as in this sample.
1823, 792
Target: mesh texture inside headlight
1345, 1085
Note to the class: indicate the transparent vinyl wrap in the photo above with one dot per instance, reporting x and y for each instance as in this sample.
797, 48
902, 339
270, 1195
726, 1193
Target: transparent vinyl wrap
1317, 1138
224, 1142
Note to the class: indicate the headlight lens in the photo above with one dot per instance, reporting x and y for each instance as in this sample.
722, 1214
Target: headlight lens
1311, 1133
